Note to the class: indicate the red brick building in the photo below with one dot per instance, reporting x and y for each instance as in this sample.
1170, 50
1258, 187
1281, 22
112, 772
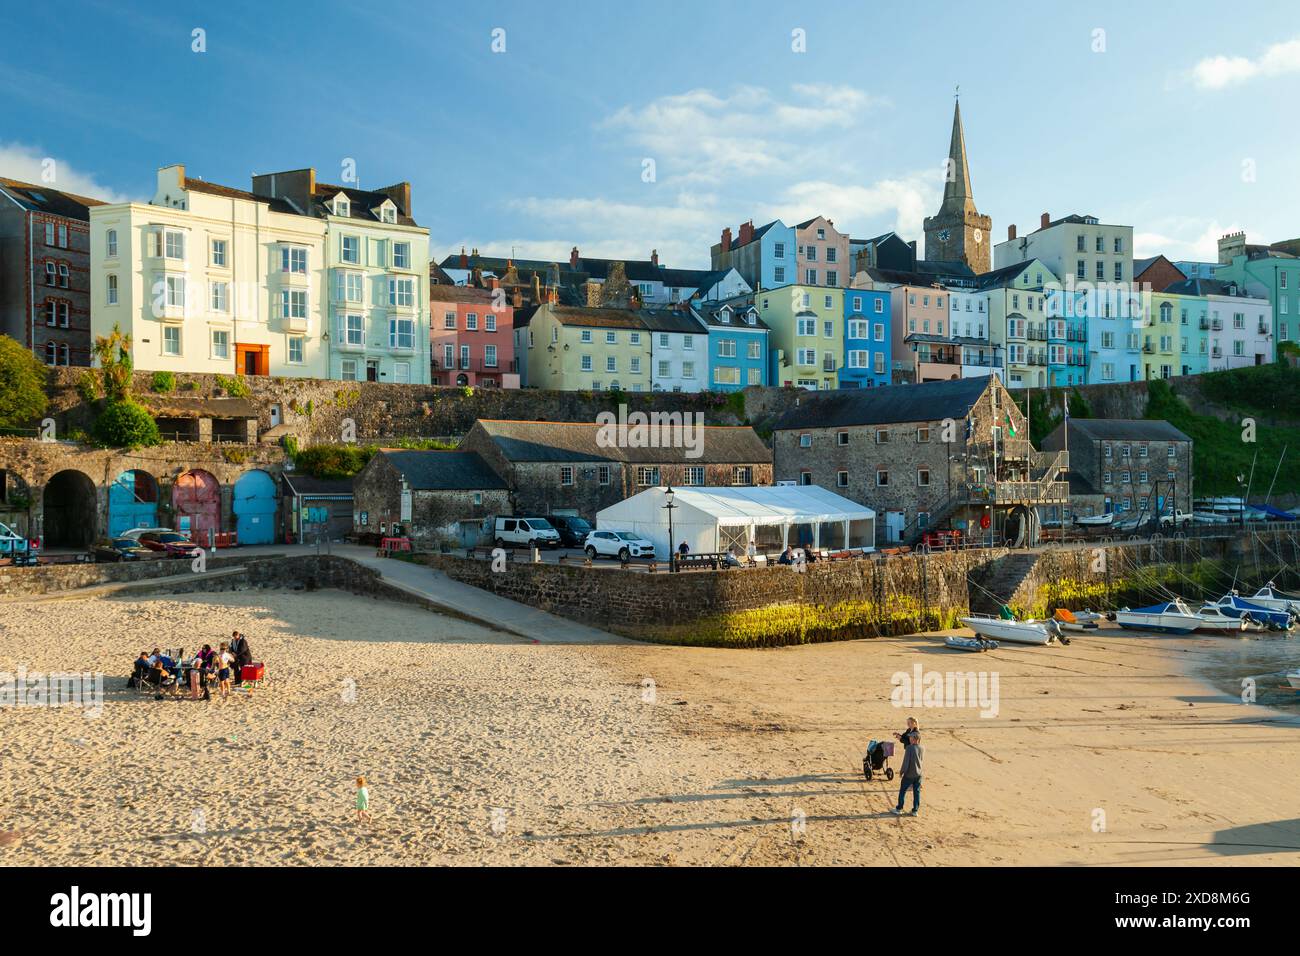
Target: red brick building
472, 334
1158, 271
44, 271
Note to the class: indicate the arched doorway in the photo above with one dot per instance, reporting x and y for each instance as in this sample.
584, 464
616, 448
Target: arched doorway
70, 506
197, 501
462, 379
255, 505
132, 502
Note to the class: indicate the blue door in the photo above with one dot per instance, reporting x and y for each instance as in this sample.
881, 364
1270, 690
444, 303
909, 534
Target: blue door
132, 502
255, 505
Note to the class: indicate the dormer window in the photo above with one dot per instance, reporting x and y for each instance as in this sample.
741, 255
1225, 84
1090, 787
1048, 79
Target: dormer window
388, 212
342, 207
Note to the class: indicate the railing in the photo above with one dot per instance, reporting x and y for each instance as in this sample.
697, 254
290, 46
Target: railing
1205, 324
1014, 492
1216, 325
1046, 465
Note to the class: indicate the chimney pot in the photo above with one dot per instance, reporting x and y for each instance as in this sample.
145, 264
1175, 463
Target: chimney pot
1045, 221
1011, 231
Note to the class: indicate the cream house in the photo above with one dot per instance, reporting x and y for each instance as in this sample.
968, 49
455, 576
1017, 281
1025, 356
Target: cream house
205, 278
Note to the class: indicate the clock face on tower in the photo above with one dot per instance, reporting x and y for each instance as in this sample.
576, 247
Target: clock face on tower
979, 235
943, 235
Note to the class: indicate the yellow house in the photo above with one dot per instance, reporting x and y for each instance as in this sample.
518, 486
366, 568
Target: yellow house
807, 337
579, 348
205, 278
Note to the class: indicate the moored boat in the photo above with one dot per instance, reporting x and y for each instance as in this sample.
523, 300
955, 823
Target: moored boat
1172, 617
1213, 619
1293, 678
1081, 621
970, 643
1010, 630
1095, 521
1270, 597
1234, 605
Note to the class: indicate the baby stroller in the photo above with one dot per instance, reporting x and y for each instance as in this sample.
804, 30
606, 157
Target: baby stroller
877, 759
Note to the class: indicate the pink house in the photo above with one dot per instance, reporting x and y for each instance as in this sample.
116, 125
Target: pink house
823, 253
472, 334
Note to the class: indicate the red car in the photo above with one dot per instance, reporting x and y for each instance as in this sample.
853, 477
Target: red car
173, 543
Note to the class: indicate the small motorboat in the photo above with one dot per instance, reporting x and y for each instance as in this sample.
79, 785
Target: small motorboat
1081, 621
1234, 605
1172, 617
1213, 619
970, 643
1275, 600
1006, 628
1293, 678
1095, 521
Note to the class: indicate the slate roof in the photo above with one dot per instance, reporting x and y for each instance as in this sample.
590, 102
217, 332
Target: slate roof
739, 320
758, 234
579, 441
1205, 287
595, 317
444, 470
307, 485
1000, 277
36, 198
893, 404
363, 203
229, 192
1120, 429
670, 320
459, 293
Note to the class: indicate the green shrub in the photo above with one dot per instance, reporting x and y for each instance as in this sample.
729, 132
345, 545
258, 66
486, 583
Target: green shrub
234, 386
88, 386
163, 382
333, 461
22, 385
189, 386
125, 424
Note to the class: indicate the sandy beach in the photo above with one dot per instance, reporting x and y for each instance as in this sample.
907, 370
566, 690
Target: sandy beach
483, 748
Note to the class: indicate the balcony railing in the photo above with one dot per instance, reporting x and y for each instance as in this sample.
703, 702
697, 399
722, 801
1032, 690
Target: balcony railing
1216, 325
1017, 492
1205, 325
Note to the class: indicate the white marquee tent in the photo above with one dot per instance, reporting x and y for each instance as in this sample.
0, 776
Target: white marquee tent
715, 519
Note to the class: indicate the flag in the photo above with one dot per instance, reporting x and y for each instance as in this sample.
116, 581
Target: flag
1065, 401
1011, 426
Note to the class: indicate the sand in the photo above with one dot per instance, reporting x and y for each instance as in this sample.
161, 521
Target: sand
482, 748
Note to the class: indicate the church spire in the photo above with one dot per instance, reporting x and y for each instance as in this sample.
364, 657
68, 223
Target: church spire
957, 195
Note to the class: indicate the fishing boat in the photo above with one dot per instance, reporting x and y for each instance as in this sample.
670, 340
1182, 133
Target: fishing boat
1213, 619
970, 643
1275, 600
1081, 621
1224, 509
1010, 630
1095, 521
1172, 617
1234, 605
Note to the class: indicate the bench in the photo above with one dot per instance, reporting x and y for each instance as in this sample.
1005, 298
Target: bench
701, 560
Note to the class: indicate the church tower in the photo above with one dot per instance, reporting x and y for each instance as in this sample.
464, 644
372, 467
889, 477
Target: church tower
957, 232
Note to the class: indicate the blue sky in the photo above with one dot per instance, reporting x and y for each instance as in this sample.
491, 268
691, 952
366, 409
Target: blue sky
543, 146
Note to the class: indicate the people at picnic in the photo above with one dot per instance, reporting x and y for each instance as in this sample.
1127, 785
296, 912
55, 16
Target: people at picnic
787, 556
222, 666
225, 661
239, 647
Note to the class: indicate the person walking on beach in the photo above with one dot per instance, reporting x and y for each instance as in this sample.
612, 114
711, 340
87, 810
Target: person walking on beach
911, 775
363, 800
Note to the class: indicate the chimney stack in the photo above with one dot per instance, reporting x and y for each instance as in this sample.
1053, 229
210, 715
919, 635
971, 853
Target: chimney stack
1011, 231
746, 232
573, 258
1045, 221
464, 259
726, 239
654, 256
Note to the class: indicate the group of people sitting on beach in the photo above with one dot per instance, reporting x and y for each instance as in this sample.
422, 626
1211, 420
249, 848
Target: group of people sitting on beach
170, 673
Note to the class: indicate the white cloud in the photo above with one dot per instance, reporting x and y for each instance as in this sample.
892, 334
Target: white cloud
31, 165
702, 136
1179, 239
1219, 72
901, 203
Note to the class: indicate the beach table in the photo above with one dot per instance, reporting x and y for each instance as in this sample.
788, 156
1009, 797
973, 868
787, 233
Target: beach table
388, 545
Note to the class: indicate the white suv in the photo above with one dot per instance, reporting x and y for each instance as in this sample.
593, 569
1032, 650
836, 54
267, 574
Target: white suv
618, 544
526, 531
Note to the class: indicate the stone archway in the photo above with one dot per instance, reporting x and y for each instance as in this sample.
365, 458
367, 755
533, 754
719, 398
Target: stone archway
196, 500
70, 510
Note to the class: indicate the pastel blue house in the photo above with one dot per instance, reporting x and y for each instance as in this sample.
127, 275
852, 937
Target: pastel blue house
738, 345
764, 257
867, 351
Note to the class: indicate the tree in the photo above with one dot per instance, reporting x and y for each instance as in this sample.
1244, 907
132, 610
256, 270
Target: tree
126, 424
114, 354
22, 385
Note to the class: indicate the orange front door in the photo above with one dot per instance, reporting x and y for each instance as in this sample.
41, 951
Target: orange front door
252, 359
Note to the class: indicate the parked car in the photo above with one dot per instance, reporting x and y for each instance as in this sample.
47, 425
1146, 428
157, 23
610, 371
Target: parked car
173, 544
1182, 519
623, 545
15, 547
573, 530
119, 549
529, 532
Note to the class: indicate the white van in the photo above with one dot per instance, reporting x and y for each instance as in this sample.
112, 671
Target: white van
511, 532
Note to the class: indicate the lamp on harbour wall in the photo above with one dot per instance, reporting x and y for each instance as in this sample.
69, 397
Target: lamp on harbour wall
672, 550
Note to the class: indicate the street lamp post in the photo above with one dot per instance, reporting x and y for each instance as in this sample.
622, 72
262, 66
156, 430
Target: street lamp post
672, 550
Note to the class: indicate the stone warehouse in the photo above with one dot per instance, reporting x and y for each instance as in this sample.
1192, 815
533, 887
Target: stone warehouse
568, 467
925, 456
429, 496
1125, 462
69, 495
